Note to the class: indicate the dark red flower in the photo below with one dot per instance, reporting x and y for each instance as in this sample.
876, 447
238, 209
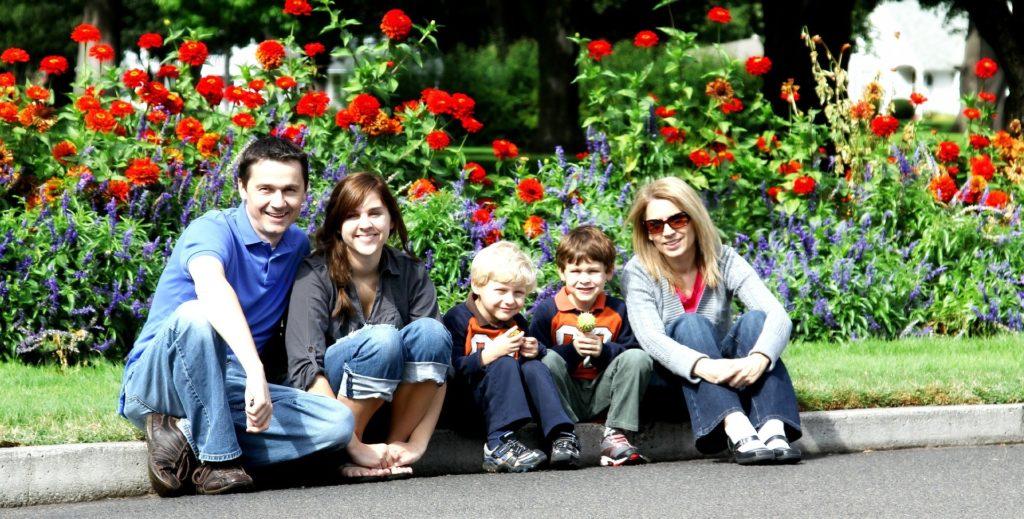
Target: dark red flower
599, 49
150, 40
979, 141
673, 135
884, 125
758, 65
211, 88
719, 15
645, 39
396, 25
985, 68
297, 8
530, 190
475, 173
168, 71
732, 106
85, 32
193, 53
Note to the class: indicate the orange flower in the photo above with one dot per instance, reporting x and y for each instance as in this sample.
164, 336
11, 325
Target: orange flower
534, 226
189, 129
285, 82
396, 25
719, 15
85, 32
193, 53
421, 188
135, 78
982, 166
530, 190
972, 113
62, 150
862, 111
55, 65
207, 144
99, 120
38, 93
9, 112
142, 172
790, 91
297, 8
102, 52
244, 120
118, 190
645, 39
270, 54
996, 198
917, 98
943, 188
700, 158
150, 40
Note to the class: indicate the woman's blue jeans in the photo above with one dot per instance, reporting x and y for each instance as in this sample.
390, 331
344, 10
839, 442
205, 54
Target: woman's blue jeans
772, 396
186, 372
373, 361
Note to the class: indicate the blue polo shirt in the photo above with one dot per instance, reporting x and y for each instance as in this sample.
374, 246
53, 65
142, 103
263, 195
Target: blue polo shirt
260, 275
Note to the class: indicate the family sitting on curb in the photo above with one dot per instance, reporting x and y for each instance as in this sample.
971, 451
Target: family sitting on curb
362, 328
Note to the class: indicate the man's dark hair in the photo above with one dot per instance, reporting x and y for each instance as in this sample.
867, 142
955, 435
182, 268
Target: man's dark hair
273, 148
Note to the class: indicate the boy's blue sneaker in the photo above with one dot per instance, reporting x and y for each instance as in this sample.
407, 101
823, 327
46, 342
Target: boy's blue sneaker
565, 452
512, 456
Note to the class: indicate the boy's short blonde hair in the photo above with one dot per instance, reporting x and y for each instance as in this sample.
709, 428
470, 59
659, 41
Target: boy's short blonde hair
503, 262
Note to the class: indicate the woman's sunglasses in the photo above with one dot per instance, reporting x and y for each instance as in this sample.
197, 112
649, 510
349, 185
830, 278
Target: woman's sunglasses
676, 221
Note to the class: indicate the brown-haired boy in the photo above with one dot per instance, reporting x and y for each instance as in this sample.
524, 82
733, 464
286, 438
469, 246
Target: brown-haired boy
603, 369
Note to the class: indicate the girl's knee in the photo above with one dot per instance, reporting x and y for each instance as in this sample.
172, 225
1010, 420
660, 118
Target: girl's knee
427, 340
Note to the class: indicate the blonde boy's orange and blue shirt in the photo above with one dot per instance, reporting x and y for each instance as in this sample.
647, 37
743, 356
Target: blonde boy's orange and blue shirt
554, 325
472, 332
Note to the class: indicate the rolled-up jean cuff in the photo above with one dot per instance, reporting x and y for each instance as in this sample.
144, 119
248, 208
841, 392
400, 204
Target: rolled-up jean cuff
423, 371
362, 387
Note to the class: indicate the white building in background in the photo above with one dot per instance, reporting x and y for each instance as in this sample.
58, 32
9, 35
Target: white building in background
912, 50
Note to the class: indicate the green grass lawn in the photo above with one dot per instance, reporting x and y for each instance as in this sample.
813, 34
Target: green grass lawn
44, 405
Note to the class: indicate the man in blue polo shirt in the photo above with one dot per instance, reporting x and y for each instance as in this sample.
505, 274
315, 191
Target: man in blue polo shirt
194, 381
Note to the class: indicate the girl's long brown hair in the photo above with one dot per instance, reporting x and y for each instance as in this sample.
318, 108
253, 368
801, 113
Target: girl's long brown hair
346, 198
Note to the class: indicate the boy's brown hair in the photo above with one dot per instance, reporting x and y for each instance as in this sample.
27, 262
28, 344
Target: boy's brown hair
586, 243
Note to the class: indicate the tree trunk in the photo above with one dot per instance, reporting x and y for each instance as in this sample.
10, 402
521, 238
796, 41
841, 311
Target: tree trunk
783, 21
558, 96
1001, 29
102, 14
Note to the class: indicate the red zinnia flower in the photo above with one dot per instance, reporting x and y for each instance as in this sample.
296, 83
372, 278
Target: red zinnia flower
153, 93
475, 173
9, 112
313, 104
38, 93
270, 54
985, 68
943, 188
982, 166
56, 65
438, 140
972, 113
979, 141
732, 106
773, 193
244, 120
211, 88
396, 25
168, 71
99, 120
599, 49
530, 190
700, 158
151, 40
793, 166
102, 52
207, 144
142, 172
803, 185
118, 189
996, 198
948, 151
285, 82
758, 65
504, 149
987, 97
917, 98
62, 150
189, 129
134, 78
193, 53
534, 226
462, 105
482, 216
438, 101
664, 111
673, 135
421, 188
312, 49
645, 39
719, 15
234, 94
471, 125
85, 33
363, 109
884, 125
297, 8
7, 80
14, 55
119, 108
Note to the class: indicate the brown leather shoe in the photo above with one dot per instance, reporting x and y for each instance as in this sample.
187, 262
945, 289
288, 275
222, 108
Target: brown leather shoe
171, 460
221, 478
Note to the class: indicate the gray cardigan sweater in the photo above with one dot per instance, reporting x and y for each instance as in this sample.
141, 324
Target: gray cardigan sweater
652, 306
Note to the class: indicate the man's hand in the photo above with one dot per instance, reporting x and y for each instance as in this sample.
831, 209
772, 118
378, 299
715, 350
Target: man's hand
529, 349
588, 345
504, 344
258, 408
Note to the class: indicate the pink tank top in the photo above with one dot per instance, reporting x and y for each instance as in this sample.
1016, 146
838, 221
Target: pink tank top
690, 303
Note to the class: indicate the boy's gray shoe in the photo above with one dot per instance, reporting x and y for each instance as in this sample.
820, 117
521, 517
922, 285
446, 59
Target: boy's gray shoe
512, 456
565, 452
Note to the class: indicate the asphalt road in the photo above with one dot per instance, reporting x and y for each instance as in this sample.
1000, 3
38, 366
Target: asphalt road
942, 482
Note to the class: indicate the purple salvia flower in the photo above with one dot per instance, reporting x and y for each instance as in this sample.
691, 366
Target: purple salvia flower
560, 156
137, 308
51, 283
85, 310
104, 345
429, 263
186, 212
623, 194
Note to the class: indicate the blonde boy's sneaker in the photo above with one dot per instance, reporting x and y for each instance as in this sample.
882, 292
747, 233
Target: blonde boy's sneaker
617, 451
512, 456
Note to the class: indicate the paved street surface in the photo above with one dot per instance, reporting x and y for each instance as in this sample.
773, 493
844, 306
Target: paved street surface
943, 482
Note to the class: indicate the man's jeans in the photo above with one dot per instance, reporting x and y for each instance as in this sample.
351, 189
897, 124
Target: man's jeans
772, 396
187, 372
373, 361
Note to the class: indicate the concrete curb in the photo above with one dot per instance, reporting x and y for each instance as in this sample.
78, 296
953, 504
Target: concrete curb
70, 473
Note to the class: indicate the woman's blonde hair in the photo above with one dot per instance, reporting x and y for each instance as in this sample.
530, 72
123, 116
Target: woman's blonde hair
503, 262
706, 238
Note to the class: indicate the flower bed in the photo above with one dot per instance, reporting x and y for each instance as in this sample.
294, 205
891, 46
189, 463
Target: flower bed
862, 226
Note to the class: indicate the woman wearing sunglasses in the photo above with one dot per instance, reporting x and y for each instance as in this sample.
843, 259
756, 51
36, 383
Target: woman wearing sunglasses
679, 290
